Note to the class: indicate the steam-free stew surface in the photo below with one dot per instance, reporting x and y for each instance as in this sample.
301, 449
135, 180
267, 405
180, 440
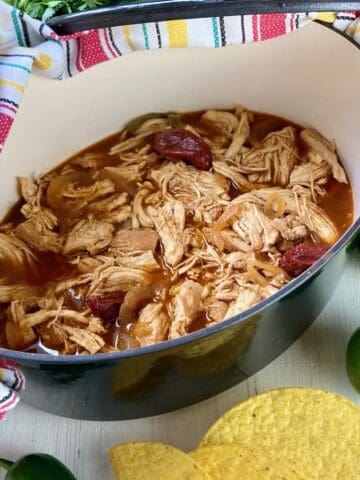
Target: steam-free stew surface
227, 207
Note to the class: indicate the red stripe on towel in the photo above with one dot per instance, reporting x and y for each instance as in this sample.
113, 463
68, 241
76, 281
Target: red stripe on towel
6, 406
5, 125
272, 25
254, 23
91, 50
8, 107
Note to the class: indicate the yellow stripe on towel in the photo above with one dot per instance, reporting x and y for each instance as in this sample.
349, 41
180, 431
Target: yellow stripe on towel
178, 33
126, 30
10, 83
2, 374
327, 17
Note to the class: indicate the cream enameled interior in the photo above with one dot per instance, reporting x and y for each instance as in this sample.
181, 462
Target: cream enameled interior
311, 76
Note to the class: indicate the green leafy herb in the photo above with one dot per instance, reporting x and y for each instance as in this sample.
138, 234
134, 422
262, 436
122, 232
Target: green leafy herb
45, 9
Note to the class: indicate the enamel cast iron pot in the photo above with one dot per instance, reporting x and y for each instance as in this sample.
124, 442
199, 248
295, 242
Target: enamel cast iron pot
311, 77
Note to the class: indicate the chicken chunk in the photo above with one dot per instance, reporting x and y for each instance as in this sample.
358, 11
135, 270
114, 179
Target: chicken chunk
319, 223
186, 307
135, 240
285, 158
291, 227
145, 261
140, 216
223, 123
113, 209
37, 231
234, 174
128, 173
28, 189
256, 229
117, 278
239, 138
153, 325
318, 144
170, 224
15, 256
233, 243
247, 297
215, 309
84, 195
89, 341
8, 293
201, 193
89, 235
309, 173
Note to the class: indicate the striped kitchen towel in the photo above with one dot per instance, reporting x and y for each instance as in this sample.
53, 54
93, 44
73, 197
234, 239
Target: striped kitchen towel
11, 382
28, 45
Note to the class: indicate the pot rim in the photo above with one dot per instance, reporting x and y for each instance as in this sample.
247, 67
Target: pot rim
205, 332
145, 11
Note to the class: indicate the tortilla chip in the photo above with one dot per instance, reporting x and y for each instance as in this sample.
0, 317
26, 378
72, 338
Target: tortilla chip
154, 461
316, 432
230, 462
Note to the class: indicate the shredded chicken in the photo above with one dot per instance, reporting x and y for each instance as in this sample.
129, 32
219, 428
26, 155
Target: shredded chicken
145, 261
114, 278
246, 298
113, 209
153, 325
89, 235
148, 239
186, 307
15, 256
319, 145
170, 224
37, 234
135, 240
254, 228
202, 194
223, 123
91, 342
239, 138
8, 293
84, 195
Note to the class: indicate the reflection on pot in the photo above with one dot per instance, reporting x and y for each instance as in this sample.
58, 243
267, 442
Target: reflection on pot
210, 356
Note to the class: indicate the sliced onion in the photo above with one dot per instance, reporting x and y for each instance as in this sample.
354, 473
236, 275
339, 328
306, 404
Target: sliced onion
275, 200
135, 299
121, 184
255, 276
253, 267
58, 185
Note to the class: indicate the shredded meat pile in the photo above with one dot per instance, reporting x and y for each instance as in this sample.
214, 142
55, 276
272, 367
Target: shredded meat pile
177, 223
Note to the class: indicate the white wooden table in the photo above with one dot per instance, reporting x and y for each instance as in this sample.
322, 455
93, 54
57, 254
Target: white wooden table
316, 359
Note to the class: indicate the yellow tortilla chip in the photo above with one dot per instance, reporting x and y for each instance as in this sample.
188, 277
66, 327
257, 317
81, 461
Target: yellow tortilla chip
316, 432
154, 461
236, 462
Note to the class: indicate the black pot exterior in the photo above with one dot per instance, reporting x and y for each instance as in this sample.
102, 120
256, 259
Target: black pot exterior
179, 373
145, 11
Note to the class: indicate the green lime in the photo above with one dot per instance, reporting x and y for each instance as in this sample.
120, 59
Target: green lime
353, 359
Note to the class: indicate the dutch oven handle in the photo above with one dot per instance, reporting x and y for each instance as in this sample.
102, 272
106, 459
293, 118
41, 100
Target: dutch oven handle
143, 11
